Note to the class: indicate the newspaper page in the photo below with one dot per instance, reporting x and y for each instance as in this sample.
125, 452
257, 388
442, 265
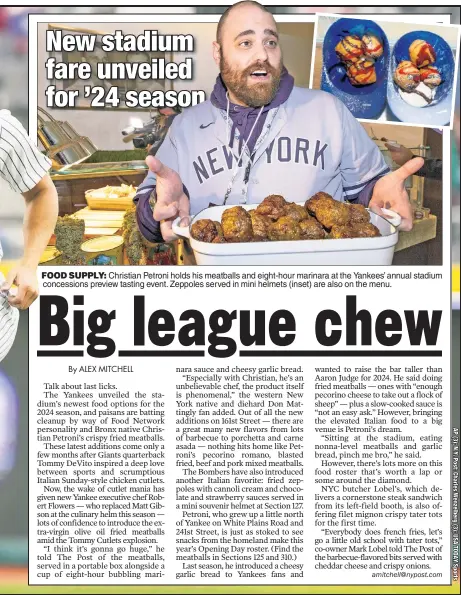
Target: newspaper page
273, 407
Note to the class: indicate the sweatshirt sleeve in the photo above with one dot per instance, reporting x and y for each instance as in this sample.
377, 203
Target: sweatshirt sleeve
362, 163
149, 228
167, 154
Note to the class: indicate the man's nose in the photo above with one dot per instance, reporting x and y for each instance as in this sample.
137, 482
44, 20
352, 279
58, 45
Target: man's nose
261, 52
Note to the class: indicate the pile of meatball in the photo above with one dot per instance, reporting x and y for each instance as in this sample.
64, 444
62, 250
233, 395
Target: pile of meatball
275, 219
419, 68
359, 54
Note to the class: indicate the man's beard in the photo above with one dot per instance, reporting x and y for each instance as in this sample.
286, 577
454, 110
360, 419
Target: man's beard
256, 94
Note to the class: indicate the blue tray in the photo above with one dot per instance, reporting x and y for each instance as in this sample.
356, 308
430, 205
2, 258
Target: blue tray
438, 113
366, 102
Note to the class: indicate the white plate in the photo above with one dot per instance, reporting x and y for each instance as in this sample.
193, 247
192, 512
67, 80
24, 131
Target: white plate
356, 251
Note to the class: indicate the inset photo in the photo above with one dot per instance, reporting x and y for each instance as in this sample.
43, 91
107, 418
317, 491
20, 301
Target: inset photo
386, 71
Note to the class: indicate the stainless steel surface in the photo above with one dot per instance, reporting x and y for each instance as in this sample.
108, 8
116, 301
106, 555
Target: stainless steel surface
62, 142
68, 129
87, 144
73, 134
53, 132
71, 153
138, 164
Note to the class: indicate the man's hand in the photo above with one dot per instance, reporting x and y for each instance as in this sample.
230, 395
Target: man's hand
25, 278
172, 202
389, 192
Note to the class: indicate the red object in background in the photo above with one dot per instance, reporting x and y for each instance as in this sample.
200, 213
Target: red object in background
3, 18
17, 25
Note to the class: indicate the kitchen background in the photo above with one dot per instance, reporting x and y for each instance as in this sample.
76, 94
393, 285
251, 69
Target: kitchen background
13, 376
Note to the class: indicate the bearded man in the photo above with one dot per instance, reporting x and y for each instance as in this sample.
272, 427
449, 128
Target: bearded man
258, 134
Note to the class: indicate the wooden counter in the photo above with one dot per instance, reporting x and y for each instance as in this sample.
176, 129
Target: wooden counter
71, 186
100, 223
85, 175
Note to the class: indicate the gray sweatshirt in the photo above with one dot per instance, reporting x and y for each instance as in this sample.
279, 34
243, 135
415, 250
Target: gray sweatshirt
308, 142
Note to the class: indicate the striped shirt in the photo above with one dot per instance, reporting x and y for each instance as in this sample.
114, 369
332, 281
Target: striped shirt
21, 163
9, 319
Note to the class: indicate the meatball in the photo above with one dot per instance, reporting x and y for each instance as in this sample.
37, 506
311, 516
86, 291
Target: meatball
373, 46
350, 48
219, 239
272, 206
422, 53
341, 231
296, 212
327, 210
236, 225
407, 76
354, 230
311, 204
284, 228
366, 230
332, 214
204, 230
260, 224
358, 214
362, 72
430, 76
311, 229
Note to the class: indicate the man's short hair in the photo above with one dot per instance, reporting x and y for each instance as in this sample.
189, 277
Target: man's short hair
228, 10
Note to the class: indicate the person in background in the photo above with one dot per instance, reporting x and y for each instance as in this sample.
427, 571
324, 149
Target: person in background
164, 119
25, 169
432, 168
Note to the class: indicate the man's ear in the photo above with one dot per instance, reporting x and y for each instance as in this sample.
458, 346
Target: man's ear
216, 53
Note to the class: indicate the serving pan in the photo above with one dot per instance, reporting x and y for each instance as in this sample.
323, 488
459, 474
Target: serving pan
356, 251
366, 101
438, 112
